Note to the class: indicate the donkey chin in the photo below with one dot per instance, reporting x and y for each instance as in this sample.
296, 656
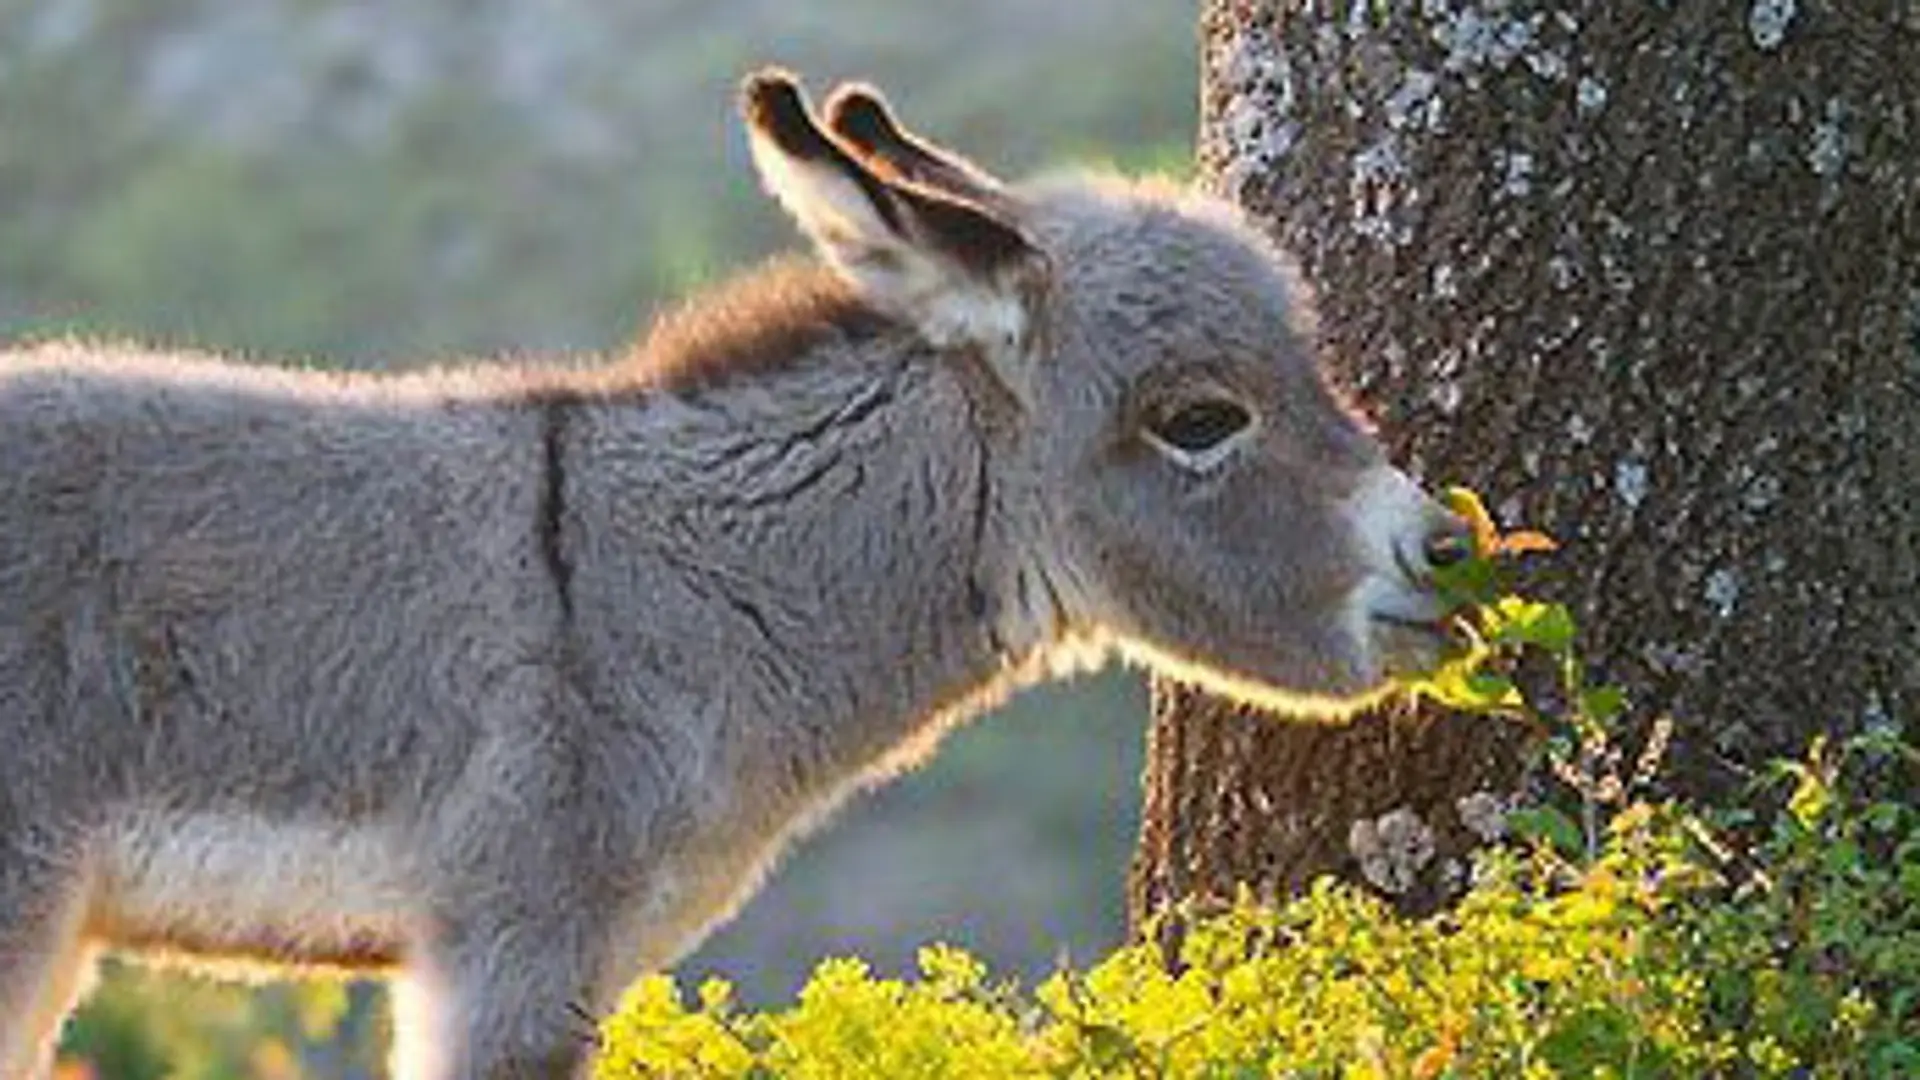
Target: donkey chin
1347, 676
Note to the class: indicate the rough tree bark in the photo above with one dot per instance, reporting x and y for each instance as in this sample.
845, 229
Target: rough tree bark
1648, 275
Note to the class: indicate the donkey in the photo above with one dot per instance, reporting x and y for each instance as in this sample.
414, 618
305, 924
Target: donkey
511, 683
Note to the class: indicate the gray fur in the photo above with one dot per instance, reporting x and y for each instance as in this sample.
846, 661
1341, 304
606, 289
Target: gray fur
514, 683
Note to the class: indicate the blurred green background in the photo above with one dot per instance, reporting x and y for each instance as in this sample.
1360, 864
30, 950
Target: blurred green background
384, 183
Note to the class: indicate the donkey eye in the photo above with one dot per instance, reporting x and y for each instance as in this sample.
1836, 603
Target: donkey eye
1201, 426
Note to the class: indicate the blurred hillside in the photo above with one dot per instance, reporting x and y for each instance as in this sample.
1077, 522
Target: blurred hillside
381, 179
389, 182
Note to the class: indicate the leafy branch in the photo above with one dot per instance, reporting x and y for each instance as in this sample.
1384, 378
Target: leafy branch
1571, 714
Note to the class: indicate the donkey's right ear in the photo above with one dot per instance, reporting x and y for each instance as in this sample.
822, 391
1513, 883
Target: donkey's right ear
859, 115
960, 273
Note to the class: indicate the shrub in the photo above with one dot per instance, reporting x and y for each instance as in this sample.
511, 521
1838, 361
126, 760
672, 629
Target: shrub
1665, 955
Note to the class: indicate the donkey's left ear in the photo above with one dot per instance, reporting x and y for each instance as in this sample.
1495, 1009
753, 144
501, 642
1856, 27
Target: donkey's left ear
962, 274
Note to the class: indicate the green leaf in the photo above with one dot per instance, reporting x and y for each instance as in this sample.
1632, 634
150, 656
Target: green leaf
1586, 1042
1459, 686
1469, 581
1530, 622
1602, 703
1545, 823
1493, 691
1554, 629
1885, 817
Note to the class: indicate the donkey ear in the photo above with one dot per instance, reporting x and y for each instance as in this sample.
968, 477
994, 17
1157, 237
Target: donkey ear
961, 273
859, 116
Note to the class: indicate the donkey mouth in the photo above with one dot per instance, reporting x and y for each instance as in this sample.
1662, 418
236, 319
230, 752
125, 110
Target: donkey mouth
1408, 625
1438, 627
1413, 645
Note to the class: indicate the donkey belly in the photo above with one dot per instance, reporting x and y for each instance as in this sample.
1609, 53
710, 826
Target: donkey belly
235, 892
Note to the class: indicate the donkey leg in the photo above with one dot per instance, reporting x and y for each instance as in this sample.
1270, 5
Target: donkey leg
45, 961
497, 999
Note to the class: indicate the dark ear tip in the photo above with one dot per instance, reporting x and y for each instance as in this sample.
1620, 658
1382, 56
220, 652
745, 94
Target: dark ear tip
774, 105
858, 110
767, 94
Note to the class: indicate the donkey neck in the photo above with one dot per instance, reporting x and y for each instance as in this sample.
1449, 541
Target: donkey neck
824, 548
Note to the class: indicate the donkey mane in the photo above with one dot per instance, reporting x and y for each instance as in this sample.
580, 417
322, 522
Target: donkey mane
774, 316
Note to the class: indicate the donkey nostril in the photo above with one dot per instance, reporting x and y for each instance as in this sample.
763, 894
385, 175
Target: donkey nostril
1447, 548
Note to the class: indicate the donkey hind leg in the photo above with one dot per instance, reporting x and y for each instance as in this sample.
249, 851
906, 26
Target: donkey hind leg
491, 1001
45, 961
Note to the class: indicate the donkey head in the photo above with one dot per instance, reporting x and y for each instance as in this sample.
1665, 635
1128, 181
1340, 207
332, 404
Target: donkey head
1180, 476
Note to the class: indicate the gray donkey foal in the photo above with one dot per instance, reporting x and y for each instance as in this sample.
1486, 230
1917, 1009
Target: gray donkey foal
513, 683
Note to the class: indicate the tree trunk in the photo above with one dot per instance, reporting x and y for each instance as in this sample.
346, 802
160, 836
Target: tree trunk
1648, 276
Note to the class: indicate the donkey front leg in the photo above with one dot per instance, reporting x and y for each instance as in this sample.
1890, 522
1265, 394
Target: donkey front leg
45, 962
503, 998
519, 955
